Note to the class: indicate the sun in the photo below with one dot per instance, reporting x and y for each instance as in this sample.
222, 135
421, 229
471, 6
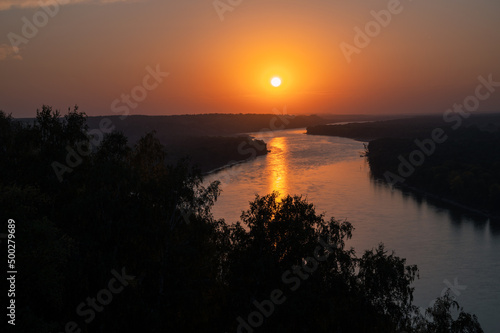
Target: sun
276, 82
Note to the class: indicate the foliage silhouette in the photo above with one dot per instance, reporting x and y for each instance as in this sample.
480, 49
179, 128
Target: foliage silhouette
125, 207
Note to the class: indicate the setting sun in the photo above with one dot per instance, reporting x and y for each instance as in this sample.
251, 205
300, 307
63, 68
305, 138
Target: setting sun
276, 82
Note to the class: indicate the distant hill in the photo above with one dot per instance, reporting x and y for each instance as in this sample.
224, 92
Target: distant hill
412, 127
170, 127
345, 118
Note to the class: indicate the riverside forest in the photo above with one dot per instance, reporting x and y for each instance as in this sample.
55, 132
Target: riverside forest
460, 166
127, 242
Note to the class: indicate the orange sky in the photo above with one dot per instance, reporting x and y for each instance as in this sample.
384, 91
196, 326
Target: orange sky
92, 52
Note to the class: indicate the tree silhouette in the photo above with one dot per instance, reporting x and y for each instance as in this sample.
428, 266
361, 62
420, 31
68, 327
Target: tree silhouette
124, 207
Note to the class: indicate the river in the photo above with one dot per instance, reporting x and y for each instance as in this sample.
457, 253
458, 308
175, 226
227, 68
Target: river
451, 248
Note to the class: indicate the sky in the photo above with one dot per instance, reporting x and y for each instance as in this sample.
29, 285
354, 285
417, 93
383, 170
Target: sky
163, 57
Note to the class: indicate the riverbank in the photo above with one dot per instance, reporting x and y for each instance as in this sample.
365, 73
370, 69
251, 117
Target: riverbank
463, 170
212, 153
446, 202
444, 241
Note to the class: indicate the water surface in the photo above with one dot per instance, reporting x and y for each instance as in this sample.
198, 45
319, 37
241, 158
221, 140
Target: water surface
450, 248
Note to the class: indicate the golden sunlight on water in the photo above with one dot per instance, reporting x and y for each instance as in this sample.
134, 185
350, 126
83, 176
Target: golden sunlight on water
328, 171
277, 166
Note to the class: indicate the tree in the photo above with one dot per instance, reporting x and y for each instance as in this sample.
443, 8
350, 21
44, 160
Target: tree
125, 208
439, 319
274, 249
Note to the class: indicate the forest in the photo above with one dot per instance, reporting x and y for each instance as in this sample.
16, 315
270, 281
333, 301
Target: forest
465, 168
459, 166
127, 242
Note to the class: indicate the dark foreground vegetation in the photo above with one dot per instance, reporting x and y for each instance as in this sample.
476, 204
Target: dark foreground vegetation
127, 243
458, 164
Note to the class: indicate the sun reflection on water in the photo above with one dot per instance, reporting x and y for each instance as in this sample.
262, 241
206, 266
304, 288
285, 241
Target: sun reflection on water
278, 166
